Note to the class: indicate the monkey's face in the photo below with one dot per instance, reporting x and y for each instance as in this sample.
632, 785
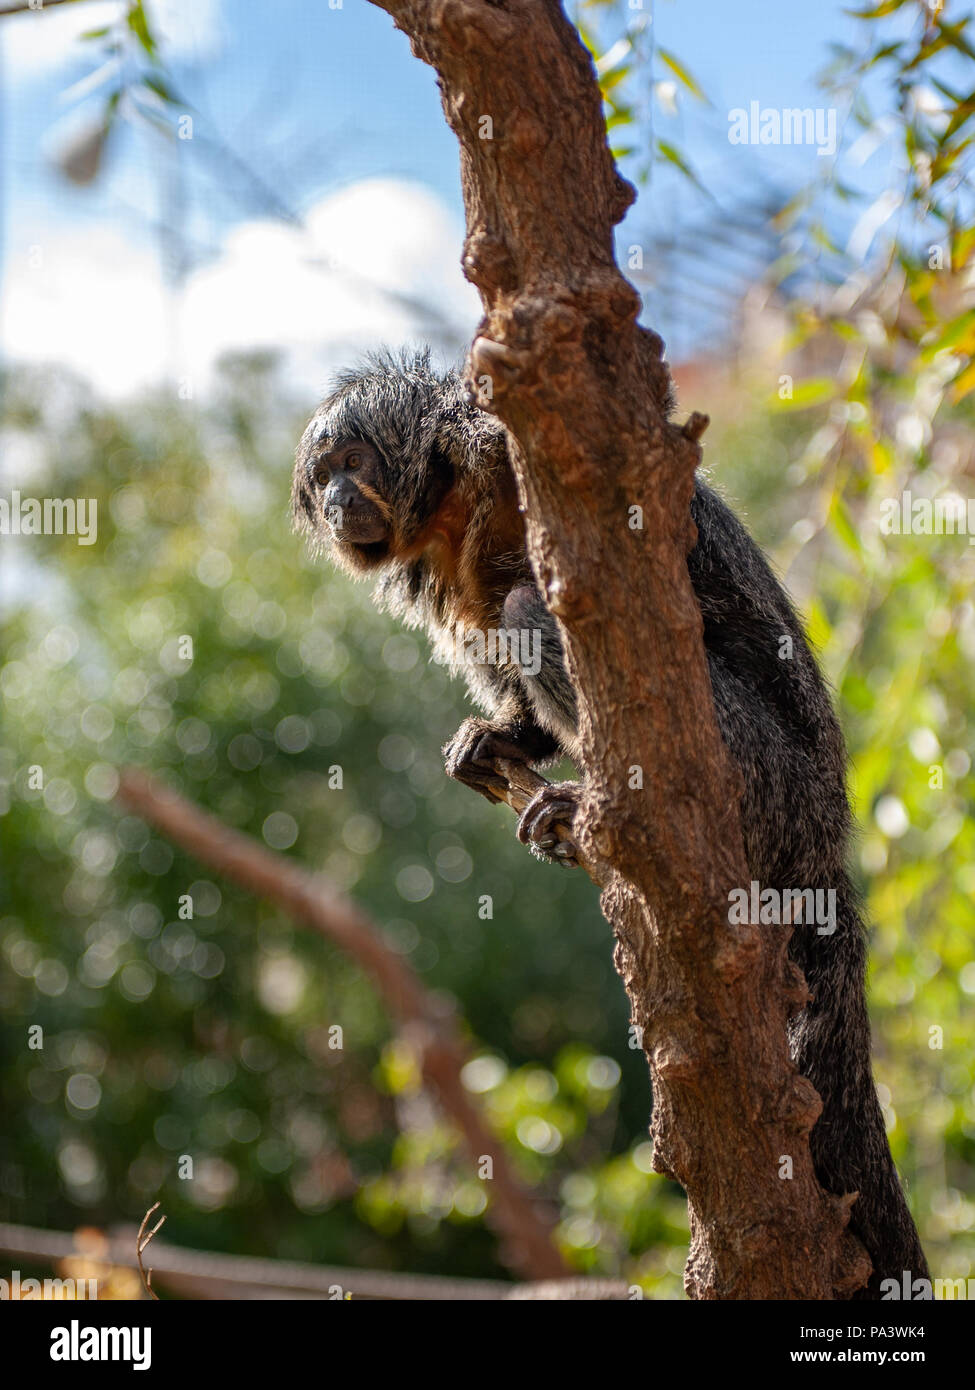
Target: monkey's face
339, 487
351, 507
373, 468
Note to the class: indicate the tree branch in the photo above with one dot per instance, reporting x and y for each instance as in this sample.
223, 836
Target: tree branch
606, 482
427, 1020
23, 6
207, 1275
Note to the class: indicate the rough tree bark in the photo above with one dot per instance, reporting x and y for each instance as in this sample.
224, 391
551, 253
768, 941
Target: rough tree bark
561, 359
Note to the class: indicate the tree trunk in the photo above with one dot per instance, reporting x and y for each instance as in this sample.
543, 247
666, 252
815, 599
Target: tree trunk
606, 482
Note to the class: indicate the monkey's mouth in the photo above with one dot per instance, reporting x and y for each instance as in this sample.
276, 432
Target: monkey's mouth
356, 525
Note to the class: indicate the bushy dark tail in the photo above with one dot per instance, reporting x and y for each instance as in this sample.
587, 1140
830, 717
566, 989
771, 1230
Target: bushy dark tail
831, 1046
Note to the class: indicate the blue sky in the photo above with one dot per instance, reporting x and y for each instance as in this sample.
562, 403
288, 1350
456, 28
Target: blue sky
347, 75
328, 109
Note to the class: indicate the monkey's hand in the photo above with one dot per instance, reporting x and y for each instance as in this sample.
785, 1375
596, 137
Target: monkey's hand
543, 823
471, 753
496, 761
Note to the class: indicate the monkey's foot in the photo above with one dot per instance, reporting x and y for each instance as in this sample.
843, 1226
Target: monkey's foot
545, 825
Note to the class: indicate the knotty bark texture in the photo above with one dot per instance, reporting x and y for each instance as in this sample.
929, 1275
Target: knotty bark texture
583, 389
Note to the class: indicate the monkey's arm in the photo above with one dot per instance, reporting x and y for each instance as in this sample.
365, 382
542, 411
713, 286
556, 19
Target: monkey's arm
533, 722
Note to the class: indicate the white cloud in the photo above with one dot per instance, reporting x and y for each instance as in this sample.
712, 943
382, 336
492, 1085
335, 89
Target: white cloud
89, 300
98, 304
41, 41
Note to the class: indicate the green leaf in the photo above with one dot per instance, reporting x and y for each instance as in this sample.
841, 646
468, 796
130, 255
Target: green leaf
137, 22
611, 79
889, 50
878, 11
818, 624
156, 84
807, 393
952, 34
620, 115
963, 112
589, 40
963, 384
842, 525
673, 156
682, 74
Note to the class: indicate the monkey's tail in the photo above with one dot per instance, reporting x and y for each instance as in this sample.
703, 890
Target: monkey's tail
831, 1046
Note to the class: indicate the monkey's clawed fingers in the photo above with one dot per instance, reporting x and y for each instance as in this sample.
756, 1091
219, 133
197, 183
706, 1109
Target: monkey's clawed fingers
469, 757
545, 825
546, 819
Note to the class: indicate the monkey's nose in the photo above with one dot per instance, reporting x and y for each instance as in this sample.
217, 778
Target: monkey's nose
343, 492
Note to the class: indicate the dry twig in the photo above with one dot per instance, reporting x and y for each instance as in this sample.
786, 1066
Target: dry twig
141, 1243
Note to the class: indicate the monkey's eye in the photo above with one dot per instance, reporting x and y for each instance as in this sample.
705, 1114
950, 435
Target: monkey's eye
321, 476
353, 460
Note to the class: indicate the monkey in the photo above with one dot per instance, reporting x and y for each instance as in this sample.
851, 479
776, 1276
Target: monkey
399, 476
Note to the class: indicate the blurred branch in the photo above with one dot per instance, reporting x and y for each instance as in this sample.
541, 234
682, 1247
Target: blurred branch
428, 1022
202, 1274
37, 7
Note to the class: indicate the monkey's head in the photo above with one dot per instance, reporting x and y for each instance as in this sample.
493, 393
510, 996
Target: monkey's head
381, 454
